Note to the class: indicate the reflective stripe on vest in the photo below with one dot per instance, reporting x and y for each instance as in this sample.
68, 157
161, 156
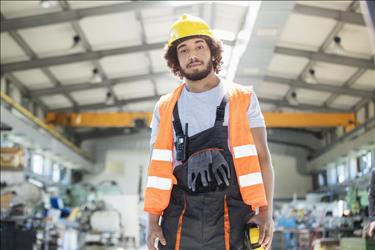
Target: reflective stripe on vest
245, 158
244, 150
161, 155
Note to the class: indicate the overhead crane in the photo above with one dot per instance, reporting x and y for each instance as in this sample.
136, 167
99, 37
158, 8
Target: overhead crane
136, 119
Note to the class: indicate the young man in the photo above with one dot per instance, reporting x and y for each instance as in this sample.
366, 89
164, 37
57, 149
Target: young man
210, 168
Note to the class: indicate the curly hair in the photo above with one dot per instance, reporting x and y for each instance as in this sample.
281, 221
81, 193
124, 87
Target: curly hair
216, 48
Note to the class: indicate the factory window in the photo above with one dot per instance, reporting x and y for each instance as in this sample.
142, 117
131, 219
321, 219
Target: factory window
353, 168
37, 164
47, 170
55, 172
28, 159
365, 161
341, 172
64, 176
321, 179
332, 175
68, 175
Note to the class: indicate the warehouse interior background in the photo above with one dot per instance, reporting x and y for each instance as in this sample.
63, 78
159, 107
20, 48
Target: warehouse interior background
79, 82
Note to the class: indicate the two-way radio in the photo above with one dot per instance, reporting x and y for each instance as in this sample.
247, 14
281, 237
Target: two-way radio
181, 144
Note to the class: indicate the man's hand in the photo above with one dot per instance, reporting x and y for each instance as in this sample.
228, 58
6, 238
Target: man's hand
266, 227
155, 232
371, 229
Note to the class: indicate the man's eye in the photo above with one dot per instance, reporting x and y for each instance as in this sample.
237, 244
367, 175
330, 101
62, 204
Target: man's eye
200, 47
183, 51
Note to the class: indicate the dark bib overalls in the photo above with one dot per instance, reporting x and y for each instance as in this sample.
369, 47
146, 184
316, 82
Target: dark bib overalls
214, 217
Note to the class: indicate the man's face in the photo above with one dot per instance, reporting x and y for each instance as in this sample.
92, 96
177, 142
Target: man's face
194, 57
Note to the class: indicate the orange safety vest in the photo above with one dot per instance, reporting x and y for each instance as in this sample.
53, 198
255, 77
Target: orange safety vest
160, 178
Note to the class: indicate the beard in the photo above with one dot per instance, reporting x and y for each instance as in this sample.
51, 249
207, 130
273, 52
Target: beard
199, 75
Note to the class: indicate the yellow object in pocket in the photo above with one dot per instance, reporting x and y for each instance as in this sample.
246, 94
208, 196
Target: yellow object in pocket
254, 234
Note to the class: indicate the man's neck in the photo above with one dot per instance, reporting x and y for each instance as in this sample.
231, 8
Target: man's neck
207, 83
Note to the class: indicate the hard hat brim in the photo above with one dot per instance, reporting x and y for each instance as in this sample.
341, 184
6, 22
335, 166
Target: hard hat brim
184, 38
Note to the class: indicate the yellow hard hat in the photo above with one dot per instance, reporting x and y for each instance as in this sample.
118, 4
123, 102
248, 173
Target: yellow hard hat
186, 26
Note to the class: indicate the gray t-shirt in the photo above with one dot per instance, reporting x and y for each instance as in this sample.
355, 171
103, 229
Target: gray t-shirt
199, 110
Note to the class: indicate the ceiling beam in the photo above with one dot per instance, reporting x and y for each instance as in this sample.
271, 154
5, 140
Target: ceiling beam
86, 44
322, 49
300, 106
322, 87
328, 58
78, 57
148, 54
279, 103
25, 47
339, 15
31, 54
89, 85
78, 14
81, 57
96, 55
346, 85
129, 79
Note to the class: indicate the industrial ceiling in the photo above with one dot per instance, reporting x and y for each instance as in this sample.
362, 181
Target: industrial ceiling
107, 56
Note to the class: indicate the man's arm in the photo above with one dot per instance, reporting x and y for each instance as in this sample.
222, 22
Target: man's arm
264, 218
154, 230
264, 156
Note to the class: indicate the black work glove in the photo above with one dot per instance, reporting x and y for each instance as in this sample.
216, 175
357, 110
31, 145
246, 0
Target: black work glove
220, 165
198, 165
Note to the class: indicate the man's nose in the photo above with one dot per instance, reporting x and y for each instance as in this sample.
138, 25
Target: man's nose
193, 57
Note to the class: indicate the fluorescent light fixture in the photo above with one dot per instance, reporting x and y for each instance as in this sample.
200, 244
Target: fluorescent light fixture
109, 99
311, 77
292, 99
77, 44
338, 48
96, 78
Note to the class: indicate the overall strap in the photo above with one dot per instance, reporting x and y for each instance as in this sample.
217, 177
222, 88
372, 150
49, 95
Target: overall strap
176, 121
220, 111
